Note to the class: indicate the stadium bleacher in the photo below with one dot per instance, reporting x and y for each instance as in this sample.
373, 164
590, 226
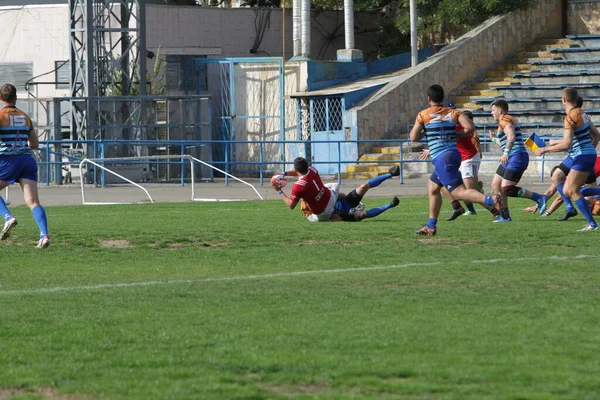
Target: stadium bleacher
532, 83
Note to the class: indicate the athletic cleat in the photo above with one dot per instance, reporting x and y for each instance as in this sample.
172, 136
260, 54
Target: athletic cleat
44, 242
426, 231
588, 227
395, 171
567, 215
467, 213
499, 218
541, 203
395, 201
8, 225
456, 213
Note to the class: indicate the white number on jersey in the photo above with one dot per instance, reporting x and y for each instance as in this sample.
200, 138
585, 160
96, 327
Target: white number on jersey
18, 120
439, 118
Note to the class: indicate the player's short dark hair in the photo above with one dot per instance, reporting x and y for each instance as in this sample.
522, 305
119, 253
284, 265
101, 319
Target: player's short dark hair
502, 104
579, 101
469, 114
435, 93
301, 165
570, 94
8, 93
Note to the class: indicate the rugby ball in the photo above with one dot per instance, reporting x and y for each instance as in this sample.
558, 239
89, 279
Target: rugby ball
279, 179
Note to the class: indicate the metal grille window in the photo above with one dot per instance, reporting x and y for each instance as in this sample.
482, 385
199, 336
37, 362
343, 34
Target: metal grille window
326, 114
16, 73
181, 75
62, 72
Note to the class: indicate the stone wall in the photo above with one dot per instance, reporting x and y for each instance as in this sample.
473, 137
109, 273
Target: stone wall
584, 17
387, 112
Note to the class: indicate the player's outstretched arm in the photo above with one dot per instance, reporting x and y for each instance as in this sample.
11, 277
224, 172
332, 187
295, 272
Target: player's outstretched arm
416, 133
558, 146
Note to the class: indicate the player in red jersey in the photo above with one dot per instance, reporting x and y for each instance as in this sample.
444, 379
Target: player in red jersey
309, 188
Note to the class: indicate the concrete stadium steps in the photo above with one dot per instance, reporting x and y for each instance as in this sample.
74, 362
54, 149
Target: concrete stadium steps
532, 117
539, 91
379, 161
543, 78
544, 129
386, 150
576, 53
528, 104
585, 40
377, 169
549, 65
537, 54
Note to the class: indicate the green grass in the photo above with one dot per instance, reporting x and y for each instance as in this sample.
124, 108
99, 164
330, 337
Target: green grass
481, 311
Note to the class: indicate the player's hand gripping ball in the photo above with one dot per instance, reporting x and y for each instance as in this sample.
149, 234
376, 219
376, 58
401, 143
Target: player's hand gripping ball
278, 182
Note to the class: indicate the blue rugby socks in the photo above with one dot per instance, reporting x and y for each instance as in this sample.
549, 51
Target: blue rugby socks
373, 212
39, 214
6, 214
568, 202
373, 182
584, 207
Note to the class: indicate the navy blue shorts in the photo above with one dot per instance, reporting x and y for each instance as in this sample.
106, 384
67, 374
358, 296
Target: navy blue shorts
516, 166
582, 163
20, 166
446, 170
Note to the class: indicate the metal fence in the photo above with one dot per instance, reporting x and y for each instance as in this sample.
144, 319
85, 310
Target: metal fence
55, 165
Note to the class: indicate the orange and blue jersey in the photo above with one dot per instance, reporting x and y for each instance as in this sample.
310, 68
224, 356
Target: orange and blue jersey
579, 121
15, 126
439, 123
518, 145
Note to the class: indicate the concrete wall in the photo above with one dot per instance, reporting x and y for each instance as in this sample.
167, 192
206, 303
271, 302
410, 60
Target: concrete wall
387, 112
37, 34
232, 33
584, 17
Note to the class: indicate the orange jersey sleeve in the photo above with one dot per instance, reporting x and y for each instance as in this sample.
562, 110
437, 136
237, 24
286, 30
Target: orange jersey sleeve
574, 119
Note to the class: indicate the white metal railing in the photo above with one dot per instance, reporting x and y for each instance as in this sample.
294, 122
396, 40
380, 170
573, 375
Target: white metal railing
192, 160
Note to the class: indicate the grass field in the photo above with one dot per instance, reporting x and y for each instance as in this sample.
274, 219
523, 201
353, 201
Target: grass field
249, 301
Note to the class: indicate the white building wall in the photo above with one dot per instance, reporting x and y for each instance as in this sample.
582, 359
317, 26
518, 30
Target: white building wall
37, 34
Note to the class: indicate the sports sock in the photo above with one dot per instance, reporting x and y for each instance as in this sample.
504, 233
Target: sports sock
4, 210
489, 201
535, 196
568, 202
373, 212
456, 205
39, 214
584, 207
470, 207
432, 222
373, 182
588, 191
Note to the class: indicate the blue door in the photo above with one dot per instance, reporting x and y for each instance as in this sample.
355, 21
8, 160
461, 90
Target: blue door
327, 134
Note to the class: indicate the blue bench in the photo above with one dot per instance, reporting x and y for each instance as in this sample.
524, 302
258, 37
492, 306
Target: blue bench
548, 86
560, 62
541, 74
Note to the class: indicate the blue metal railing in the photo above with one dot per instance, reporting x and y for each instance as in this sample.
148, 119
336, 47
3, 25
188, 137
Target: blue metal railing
55, 158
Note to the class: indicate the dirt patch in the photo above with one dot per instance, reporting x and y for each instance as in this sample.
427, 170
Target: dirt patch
314, 242
296, 390
188, 243
116, 244
45, 393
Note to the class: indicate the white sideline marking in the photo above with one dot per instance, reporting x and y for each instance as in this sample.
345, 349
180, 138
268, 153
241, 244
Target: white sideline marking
284, 274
